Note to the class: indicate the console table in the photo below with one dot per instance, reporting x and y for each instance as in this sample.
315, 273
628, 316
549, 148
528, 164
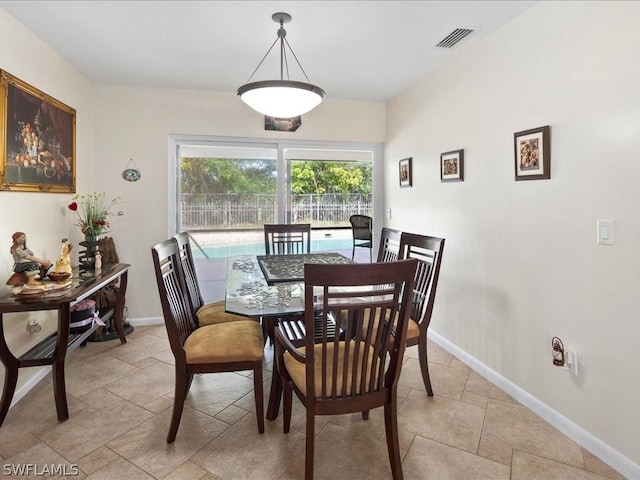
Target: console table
53, 349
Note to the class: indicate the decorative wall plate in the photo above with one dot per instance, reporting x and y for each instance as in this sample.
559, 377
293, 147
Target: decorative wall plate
131, 173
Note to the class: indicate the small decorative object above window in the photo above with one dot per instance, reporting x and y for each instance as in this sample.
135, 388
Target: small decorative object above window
452, 166
282, 124
405, 172
532, 150
131, 173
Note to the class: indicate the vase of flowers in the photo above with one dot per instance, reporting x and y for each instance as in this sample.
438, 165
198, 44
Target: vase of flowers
94, 213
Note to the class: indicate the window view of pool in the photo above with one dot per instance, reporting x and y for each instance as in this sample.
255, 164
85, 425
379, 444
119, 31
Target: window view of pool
223, 245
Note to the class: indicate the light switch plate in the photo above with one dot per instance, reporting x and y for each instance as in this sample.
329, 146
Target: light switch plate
605, 232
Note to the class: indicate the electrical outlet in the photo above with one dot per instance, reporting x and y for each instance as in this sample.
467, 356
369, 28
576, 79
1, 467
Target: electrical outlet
571, 362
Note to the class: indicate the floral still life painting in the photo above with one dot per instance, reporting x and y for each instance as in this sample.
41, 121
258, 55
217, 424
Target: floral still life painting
37, 139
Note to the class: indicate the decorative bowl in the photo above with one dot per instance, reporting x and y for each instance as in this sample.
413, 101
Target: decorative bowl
59, 276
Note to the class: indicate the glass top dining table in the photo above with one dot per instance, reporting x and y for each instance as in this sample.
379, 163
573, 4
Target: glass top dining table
270, 285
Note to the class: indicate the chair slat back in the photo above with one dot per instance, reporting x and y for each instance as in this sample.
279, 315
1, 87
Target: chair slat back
364, 361
179, 318
185, 255
389, 245
287, 239
428, 251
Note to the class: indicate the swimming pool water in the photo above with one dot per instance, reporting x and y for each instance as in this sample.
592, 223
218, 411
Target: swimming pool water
224, 251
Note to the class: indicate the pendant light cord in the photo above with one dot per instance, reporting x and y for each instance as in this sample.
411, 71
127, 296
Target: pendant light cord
282, 33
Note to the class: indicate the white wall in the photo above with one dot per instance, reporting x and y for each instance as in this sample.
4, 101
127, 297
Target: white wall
42, 216
521, 263
136, 123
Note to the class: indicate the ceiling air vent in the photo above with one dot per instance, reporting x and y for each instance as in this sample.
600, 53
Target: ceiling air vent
454, 37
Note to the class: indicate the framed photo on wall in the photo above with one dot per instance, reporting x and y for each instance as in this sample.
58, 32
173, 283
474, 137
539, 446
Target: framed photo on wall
37, 140
452, 166
532, 150
405, 172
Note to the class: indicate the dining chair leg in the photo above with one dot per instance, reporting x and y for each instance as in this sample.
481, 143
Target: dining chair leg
308, 461
424, 364
353, 253
182, 382
257, 391
275, 391
188, 386
287, 400
365, 414
393, 443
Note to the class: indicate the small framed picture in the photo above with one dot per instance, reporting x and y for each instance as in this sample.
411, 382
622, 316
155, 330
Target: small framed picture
452, 166
405, 172
532, 149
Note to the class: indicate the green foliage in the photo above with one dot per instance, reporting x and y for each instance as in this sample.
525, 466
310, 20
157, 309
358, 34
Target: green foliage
227, 176
234, 176
330, 177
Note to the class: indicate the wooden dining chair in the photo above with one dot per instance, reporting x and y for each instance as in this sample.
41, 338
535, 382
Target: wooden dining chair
389, 245
223, 347
362, 233
428, 251
358, 369
207, 313
286, 239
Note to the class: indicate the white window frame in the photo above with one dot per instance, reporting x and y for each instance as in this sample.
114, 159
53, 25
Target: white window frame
175, 141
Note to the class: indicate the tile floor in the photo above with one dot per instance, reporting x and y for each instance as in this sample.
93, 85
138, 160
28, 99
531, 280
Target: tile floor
120, 399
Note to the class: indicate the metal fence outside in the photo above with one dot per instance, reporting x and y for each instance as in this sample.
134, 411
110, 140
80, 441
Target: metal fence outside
219, 212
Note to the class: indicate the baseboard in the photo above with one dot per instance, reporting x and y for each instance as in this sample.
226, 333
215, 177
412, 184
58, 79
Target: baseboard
140, 322
576, 433
30, 383
42, 372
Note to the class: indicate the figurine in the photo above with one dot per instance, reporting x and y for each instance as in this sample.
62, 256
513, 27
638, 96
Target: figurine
63, 264
98, 262
26, 265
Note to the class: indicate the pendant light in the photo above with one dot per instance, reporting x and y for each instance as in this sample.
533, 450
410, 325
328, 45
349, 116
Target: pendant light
281, 98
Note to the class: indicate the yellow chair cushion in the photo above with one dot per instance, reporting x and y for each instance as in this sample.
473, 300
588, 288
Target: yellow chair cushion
413, 330
297, 370
225, 342
213, 313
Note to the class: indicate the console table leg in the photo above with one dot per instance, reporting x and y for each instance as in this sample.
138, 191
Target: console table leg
10, 382
59, 388
119, 308
10, 374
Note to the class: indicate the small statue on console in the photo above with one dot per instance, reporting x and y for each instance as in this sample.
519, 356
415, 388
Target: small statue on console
63, 264
26, 264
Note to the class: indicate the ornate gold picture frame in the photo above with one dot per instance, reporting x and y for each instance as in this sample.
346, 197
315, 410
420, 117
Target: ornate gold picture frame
37, 140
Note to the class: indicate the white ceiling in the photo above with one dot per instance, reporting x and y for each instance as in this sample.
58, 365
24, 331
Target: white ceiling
355, 50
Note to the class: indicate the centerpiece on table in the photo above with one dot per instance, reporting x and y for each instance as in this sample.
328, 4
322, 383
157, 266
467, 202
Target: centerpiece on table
94, 213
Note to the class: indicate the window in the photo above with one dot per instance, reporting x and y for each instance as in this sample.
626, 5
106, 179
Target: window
226, 189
